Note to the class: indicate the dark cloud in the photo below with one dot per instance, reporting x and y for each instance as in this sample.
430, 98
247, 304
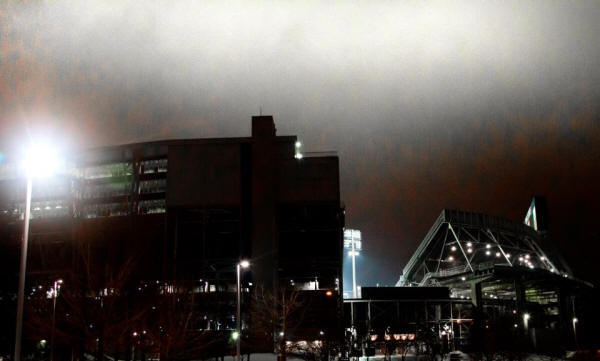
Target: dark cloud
473, 105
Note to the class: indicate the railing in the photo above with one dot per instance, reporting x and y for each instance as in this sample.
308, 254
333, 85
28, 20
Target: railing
319, 154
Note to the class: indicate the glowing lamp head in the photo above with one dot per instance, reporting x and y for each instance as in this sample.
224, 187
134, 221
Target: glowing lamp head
235, 335
329, 293
41, 160
244, 264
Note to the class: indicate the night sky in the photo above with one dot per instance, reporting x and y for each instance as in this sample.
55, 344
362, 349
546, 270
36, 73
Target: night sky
430, 104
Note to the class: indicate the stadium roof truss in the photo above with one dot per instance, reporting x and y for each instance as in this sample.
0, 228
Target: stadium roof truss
465, 244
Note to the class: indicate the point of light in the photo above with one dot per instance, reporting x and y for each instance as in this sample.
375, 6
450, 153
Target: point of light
453, 248
497, 254
298, 144
450, 258
329, 293
41, 159
281, 334
526, 317
469, 244
488, 246
298, 155
487, 253
244, 264
463, 278
469, 250
235, 335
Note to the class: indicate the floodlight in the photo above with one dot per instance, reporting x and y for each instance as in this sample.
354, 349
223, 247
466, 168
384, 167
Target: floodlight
41, 159
245, 264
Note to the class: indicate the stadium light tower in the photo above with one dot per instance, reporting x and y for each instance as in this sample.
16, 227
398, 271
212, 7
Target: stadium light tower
353, 242
40, 160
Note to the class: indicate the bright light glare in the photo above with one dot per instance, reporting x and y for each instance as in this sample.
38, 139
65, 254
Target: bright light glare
244, 264
235, 335
41, 160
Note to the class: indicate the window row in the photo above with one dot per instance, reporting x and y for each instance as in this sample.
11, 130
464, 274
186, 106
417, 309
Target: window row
39, 210
153, 166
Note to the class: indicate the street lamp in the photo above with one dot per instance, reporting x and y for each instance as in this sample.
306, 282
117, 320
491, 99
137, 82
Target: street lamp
57, 284
40, 160
352, 241
242, 264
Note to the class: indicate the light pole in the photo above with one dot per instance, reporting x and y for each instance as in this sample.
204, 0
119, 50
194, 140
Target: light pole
40, 160
352, 241
20, 297
57, 284
242, 264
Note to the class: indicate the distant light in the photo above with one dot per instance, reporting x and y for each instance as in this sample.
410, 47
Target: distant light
521, 259
469, 250
443, 333
135, 334
450, 258
249, 283
353, 253
527, 256
245, 264
508, 255
281, 334
542, 258
453, 248
298, 156
321, 333
575, 320
526, 316
469, 244
487, 253
235, 335
298, 144
497, 254
516, 325
463, 278
488, 246
329, 293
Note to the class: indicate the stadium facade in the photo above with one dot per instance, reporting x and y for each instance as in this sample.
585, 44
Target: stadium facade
184, 212
498, 274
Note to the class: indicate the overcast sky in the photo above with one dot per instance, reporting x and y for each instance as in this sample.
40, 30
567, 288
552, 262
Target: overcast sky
476, 105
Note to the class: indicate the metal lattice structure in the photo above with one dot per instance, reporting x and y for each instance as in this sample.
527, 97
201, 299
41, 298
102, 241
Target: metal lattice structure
465, 245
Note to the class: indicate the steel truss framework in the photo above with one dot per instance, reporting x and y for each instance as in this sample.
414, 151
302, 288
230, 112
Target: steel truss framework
467, 244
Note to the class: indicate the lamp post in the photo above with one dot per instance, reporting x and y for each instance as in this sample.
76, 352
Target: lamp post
20, 297
352, 241
57, 284
240, 265
40, 160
